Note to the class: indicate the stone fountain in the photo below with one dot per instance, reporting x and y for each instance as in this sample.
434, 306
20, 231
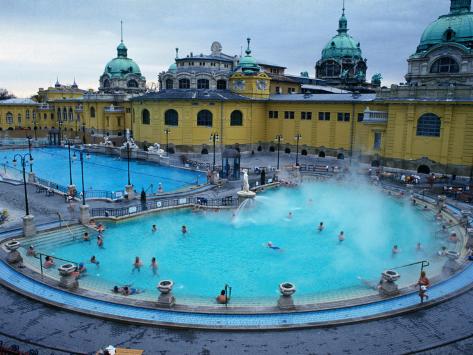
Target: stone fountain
246, 193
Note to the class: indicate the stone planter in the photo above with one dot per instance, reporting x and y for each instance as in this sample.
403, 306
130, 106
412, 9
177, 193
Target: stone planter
390, 276
165, 286
285, 301
166, 299
451, 265
287, 289
67, 280
14, 256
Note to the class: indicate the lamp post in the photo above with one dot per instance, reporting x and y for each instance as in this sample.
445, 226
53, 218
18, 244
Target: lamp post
166, 132
84, 209
68, 143
278, 139
128, 160
22, 158
60, 129
297, 137
29, 151
214, 138
83, 133
34, 127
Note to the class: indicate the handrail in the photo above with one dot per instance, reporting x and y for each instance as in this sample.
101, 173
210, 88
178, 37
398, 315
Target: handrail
424, 263
55, 257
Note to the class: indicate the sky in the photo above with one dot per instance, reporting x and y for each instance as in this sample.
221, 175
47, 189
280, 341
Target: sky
42, 40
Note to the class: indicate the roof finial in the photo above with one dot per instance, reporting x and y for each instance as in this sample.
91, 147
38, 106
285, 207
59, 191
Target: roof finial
177, 53
121, 30
248, 50
343, 10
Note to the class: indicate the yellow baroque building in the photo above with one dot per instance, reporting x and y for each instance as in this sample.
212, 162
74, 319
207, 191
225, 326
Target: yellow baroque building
425, 124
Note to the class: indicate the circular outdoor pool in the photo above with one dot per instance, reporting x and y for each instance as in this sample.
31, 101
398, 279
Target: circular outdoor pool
230, 247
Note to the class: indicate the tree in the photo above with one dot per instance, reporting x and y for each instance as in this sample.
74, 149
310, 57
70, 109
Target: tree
5, 95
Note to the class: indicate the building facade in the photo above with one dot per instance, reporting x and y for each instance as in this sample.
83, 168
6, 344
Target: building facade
423, 125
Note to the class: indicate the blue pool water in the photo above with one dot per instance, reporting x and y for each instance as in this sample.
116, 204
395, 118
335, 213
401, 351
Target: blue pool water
221, 248
103, 172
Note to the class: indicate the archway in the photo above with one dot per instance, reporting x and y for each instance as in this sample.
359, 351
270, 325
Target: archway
322, 154
304, 152
204, 151
340, 156
271, 149
375, 163
287, 151
423, 169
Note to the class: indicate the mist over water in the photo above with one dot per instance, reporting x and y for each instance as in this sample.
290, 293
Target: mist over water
228, 247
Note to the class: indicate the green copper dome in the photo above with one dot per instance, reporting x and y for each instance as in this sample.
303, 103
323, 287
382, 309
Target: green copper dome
248, 63
173, 67
342, 45
455, 27
121, 65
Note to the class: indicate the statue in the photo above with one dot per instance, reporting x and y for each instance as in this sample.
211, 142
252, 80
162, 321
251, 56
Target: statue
376, 79
156, 149
304, 74
360, 76
107, 142
246, 185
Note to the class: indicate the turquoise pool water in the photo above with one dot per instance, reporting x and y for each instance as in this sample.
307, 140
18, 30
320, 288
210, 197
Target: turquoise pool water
222, 248
103, 172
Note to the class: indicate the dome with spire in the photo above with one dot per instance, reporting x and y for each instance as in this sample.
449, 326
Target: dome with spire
342, 62
456, 27
248, 63
122, 74
342, 45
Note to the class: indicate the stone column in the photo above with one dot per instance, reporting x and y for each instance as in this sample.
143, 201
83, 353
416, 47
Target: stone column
84, 216
130, 192
29, 227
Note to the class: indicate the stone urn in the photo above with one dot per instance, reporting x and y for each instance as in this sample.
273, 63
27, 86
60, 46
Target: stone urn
387, 285
12, 245
285, 301
451, 264
67, 279
14, 256
390, 276
287, 289
166, 299
165, 286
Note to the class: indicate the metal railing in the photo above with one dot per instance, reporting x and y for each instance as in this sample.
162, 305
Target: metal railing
228, 202
40, 256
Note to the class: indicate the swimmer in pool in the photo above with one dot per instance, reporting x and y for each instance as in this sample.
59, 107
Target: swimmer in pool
137, 264
154, 266
418, 246
395, 250
128, 291
94, 260
184, 229
99, 241
270, 245
442, 251
341, 237
321, 226
289, 215
154, 228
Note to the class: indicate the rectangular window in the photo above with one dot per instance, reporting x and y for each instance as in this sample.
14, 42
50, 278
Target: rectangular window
343, 117
306, 115
289, 115
278, 90
361, 117
324, 116
377, 140
273, 114
128, 110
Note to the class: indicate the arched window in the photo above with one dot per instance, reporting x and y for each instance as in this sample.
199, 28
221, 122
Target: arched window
204, 151
445, 65
19, 118
27, 115
287, 151
204, 118
184, 84
171, 118
304, 152
236, 118
423, 169
106, 83
330, 68
272, 149
64, 114
340, 156
449, 35
92, 112
145, 119
71, 114
169, 84
221, 84
428, 125
132, 83
9, 118
322, 154
203, 84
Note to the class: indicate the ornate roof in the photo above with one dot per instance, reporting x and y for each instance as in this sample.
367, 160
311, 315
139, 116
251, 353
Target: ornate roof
456, 27
121, 65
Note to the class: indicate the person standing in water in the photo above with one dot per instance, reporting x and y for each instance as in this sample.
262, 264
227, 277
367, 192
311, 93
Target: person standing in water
154, 228
341, 237
154, 266
321, 226
184, 230
137, 264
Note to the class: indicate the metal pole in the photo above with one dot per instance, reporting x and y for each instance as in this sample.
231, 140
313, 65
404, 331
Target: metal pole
34, 129
82, 173
70, 164
128, 155
83, 133
279, 143
60, 129
297, 149
214, 152
29, 150
24, 184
